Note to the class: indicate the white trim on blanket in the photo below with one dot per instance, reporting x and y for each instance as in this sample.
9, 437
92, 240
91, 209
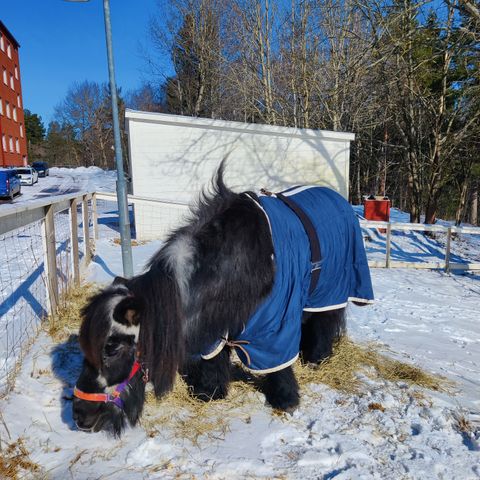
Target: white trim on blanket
270, 370
217, 350
294, 191
340, 305
221, 346
259, 205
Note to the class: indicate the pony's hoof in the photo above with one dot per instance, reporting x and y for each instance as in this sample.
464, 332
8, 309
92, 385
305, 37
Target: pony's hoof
285, 405
218, 394
287, 412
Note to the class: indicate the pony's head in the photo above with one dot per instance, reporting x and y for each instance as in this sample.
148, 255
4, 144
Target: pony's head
110, 388
130, 334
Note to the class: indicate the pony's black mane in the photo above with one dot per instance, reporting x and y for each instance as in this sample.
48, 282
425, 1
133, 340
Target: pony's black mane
205, 281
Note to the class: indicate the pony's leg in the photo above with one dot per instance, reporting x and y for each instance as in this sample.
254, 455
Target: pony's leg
319, 332
209, 379
281, 389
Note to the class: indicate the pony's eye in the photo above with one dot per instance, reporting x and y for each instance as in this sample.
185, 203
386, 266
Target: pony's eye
111, 349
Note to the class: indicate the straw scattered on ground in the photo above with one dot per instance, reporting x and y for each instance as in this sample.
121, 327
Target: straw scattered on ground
340, 370
67, 319
15, 461
134, 243
191, 418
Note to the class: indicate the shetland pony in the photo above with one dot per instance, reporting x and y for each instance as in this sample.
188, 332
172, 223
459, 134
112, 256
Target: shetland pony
186, 313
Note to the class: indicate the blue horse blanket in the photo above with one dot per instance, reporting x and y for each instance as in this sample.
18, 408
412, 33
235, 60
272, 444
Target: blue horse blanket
271, 338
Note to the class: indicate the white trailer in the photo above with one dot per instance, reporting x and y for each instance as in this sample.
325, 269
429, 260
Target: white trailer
173, 157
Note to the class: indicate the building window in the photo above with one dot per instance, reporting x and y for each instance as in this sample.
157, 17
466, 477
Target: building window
21, 130
5, 81
15, 113
16, 72
19, 102
7, 108
1, 107
4, 142
17, 145
10, 142
9, 50
2, 44
12, 84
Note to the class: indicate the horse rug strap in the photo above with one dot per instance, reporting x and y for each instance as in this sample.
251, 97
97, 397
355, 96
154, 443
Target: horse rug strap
315, 251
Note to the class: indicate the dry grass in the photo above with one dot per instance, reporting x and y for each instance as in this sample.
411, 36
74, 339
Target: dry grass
135, 243
15, 461
463, 424
190, 418
67, 319
340, 370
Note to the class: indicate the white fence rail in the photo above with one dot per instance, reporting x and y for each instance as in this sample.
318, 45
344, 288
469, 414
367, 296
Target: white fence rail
446, 264
44, 245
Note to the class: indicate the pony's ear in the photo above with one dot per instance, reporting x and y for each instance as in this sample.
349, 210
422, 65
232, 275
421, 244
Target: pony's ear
120, 281
128, 311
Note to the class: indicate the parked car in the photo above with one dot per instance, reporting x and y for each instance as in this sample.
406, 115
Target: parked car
41, 167
28, 175
9, 182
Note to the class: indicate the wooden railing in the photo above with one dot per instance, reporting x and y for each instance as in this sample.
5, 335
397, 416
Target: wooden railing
14, 216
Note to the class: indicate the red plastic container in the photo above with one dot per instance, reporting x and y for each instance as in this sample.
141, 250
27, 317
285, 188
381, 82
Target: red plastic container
377, 209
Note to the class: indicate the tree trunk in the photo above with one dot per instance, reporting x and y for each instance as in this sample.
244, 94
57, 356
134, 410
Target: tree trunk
474, 204
462, 202
414, 196
359, 188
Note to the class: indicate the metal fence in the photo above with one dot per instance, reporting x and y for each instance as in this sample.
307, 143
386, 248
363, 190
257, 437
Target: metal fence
43, 247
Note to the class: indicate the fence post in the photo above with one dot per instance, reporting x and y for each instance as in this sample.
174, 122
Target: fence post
94, 216
86, 230
388, 246
447, 251
50, 263
74, 238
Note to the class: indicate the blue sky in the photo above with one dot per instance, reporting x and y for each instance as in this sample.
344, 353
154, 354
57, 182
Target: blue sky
62, 42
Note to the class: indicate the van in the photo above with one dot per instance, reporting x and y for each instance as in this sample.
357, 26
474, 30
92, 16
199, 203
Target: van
9, 182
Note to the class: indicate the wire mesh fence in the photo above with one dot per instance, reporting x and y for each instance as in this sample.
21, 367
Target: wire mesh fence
40, 257
158, 219
63, 250
23, 294
108, 219
149, 218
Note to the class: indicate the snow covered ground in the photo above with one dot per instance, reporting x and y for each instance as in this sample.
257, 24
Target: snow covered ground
428, 318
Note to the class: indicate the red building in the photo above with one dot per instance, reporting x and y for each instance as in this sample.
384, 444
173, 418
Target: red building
13, 142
